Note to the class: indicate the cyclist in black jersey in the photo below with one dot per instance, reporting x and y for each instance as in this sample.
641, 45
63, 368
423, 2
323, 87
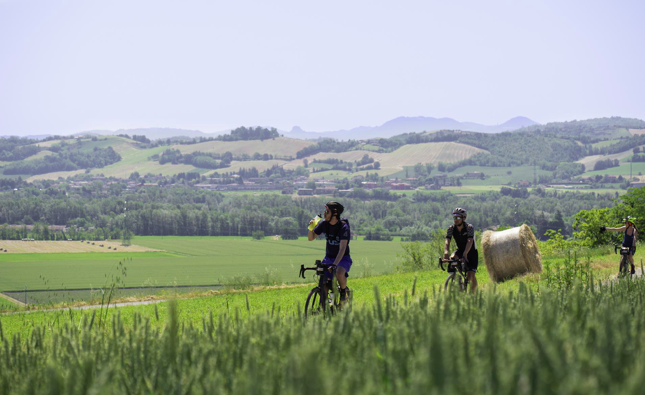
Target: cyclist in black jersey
464, 235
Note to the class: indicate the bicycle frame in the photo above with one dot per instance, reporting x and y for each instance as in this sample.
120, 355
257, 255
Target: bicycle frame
455, 266
327, 293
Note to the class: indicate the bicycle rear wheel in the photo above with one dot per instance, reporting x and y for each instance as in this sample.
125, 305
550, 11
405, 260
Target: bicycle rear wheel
315, 304
624, 266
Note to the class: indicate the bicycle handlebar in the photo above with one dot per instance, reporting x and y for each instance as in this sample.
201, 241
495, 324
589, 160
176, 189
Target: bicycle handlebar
453, 260
319, 268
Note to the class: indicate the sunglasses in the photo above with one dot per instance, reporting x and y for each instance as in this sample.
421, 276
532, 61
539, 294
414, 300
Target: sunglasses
456, 217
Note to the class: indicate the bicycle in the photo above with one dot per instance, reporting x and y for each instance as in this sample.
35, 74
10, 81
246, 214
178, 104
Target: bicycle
625, 267
320, 297
457, 270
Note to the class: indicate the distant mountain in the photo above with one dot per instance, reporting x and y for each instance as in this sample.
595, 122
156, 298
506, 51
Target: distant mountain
410, 125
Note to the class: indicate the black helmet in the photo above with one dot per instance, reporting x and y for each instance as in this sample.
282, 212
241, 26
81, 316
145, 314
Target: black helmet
460, 211
335, 208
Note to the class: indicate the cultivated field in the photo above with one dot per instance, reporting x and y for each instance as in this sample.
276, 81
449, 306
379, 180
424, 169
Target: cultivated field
396, 161
186, 261
28, 247
282, 146
635, 132
402, 334
590, 161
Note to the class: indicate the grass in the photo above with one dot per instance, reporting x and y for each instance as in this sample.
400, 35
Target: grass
402, 337
622, 170
186, 261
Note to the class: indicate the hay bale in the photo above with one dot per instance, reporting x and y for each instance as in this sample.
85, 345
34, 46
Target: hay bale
510, 253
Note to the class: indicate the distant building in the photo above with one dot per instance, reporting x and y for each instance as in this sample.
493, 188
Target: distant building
305, 192
523, 184
325, 191
369, 185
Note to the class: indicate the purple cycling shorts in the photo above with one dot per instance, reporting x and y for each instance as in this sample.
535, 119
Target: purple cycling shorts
345, 262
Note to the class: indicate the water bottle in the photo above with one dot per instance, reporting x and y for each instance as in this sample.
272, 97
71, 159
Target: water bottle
316, 219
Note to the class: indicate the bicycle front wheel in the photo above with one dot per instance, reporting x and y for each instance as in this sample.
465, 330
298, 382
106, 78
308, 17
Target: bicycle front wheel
314, 304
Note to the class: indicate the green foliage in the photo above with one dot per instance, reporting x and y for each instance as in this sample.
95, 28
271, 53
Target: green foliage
65, 160
587, 224
417, 256
565, 273
557, 341
257, 235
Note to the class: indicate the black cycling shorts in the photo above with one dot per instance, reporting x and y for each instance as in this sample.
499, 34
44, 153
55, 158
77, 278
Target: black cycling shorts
473, 259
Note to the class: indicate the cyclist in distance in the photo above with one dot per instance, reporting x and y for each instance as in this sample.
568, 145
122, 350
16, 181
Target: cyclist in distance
338, 235
629, 238
464, 235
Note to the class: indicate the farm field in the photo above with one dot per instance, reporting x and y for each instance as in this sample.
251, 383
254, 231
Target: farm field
622, 170
408, 155
590, 161
186, 261
521, 334
27, 247
281, 146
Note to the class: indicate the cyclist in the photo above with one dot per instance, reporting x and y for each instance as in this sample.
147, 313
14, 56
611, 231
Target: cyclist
629, 238
464, 235
338, 235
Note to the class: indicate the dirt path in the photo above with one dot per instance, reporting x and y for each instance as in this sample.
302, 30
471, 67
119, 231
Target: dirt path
96, 306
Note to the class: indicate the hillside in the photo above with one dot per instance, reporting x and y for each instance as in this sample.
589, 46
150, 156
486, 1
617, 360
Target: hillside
280, 147
407, 155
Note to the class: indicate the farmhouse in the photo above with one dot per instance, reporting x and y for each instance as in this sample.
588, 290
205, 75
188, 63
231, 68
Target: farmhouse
305, 192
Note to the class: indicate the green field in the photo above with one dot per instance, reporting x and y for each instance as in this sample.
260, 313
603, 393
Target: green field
401, 334
186, 261
622, 170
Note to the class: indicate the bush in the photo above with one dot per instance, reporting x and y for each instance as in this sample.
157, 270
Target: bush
416, 256
258, 235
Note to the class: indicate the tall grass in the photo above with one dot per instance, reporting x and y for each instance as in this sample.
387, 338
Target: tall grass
558, 341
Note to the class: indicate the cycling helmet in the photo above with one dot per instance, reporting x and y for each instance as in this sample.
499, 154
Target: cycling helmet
335, 208
630, 219
460, 212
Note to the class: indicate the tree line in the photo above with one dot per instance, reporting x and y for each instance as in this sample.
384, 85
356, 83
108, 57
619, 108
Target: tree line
182, 211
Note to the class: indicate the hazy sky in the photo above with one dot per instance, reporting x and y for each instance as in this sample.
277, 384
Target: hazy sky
70, 66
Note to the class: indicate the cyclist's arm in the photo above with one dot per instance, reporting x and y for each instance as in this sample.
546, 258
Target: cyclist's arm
446, 248
622, 228
469, 245
635, 236
312, 235
341, 252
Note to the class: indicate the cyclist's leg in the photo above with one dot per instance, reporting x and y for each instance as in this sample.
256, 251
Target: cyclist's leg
344, 266
473, 263
631, 259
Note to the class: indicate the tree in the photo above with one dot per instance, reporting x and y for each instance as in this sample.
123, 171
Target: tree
305, 162
257, 235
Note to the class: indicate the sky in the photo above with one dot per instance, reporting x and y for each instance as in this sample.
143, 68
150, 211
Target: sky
72, 66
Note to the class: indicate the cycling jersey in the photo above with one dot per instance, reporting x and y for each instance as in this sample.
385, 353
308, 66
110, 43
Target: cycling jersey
461, 236
335, 233
461, 239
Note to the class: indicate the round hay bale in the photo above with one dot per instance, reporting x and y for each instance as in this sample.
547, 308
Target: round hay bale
510, 253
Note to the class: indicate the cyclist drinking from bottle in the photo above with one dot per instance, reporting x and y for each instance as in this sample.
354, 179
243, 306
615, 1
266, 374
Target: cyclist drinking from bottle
464, 234
629, 238
338, 235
